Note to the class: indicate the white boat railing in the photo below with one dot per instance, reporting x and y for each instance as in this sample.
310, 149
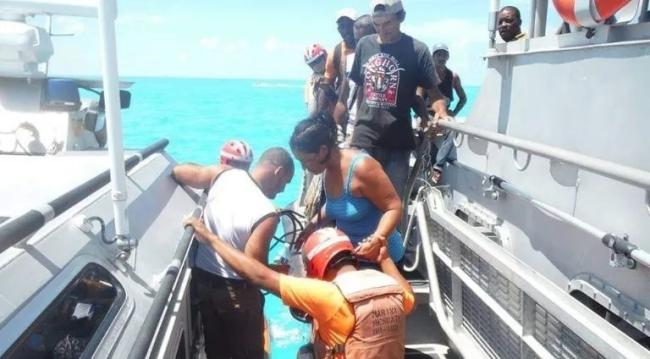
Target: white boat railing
107, 14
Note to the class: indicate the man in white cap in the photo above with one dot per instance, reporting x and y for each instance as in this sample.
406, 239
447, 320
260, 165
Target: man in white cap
345, 19
339, 61
449, 80
390, 66
449, 83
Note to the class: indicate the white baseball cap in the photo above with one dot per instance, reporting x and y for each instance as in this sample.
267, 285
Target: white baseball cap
439, 46
347, 12
391, 7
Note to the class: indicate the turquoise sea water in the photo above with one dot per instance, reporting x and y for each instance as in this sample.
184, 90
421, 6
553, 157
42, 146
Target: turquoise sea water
199, 115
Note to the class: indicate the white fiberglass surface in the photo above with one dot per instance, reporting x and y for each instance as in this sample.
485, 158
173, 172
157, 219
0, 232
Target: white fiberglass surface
30, 181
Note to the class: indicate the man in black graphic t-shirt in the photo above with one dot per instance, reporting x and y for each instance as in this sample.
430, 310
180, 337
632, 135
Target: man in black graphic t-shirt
389, 67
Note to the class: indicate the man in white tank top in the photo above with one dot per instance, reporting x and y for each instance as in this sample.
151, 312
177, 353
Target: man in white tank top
239, 210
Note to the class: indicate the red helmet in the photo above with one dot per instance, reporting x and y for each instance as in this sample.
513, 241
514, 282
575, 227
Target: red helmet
236, 153
313, 53
321, 247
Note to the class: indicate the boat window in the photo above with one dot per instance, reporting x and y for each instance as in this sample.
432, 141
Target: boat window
73, 324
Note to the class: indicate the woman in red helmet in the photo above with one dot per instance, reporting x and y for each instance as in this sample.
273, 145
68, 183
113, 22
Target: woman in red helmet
357, 313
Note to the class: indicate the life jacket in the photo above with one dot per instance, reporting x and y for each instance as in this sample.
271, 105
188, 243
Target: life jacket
589, 13
377, 301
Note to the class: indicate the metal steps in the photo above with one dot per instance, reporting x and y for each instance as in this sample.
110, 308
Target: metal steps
426, 351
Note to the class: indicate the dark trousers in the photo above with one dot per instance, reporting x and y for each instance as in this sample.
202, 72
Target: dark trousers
232, 316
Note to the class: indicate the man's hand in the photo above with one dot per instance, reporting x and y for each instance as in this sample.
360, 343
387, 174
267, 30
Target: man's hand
433, 129
200, 230
245, 265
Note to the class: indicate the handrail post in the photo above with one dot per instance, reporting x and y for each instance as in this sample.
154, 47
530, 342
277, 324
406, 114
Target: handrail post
540, 18
643, 16
492, 22
533, 15
107, 12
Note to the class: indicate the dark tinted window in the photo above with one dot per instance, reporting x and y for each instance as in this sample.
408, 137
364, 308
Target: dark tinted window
72, 326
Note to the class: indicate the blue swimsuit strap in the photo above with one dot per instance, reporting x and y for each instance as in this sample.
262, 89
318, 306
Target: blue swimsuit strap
355, 160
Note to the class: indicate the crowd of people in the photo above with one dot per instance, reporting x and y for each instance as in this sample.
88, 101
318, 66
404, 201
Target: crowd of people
358, 138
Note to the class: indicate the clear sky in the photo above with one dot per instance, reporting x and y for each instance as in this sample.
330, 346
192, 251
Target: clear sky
258, 38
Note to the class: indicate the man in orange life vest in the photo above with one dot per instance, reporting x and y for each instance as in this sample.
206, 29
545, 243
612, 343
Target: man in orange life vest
357, 313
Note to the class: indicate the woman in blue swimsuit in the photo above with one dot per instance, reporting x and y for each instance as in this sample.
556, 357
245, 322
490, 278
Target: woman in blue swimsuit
359, 196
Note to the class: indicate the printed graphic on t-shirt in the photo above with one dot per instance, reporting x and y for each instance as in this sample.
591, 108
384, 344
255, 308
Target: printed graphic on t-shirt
381, 81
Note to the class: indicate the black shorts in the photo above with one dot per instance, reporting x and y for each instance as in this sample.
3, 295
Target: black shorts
232, 316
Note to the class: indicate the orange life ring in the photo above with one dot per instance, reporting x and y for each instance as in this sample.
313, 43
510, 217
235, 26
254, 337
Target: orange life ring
588, 13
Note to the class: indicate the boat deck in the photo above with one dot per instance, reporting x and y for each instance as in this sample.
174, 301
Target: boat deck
31, 181
424, 336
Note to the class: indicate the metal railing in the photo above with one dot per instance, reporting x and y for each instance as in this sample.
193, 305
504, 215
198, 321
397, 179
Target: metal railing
156, 318
16, 229
616, 243
625, 174
608, 169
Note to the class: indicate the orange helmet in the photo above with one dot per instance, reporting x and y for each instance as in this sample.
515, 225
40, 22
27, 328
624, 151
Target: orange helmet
236, 153
321, 247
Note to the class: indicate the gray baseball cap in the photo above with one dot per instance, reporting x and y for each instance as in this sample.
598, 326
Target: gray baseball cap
390, 7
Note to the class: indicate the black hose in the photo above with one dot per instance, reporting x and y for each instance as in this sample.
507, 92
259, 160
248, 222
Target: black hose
102, 230
410, 180
296, 223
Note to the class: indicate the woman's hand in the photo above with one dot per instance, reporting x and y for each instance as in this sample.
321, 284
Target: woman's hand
372, 248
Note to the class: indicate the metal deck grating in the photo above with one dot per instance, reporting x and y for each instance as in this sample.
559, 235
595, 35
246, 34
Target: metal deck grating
559, 340
495, 337
492, 334
444, 280
506, 293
